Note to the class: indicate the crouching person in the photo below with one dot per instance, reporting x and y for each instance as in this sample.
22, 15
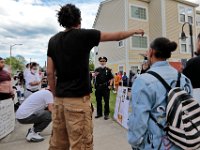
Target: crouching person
36, 110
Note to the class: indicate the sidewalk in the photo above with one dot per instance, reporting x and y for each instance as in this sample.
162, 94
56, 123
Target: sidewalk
108, 135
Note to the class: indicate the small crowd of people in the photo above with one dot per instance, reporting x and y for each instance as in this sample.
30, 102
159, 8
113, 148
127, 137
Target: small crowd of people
34, 99
72, 87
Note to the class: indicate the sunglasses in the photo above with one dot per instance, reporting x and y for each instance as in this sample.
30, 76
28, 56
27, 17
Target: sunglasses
102, 61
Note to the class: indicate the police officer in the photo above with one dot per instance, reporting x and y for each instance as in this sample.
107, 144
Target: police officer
103, 84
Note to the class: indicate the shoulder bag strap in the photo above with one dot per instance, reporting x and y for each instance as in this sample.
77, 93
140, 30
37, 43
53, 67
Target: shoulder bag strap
178, 84
168, 88
165, 84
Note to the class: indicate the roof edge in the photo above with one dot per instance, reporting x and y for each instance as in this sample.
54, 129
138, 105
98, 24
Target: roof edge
98, 11
148, 1
188, 3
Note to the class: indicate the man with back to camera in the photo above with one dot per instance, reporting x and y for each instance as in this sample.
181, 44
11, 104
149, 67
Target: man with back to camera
36, 110
103, 84
192, 71
68, 57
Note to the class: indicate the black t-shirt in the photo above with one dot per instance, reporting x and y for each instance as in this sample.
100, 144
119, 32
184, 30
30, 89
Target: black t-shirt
70, 53
192, 71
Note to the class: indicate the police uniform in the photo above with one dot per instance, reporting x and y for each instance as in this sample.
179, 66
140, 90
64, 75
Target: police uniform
102, 83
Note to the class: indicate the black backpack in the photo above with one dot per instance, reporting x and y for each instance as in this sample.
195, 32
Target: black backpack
182, 115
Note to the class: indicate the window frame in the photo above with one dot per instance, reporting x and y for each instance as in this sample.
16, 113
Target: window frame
138, 19
180, 18
197, 23
187, 15
139, 48
135, 71
183, 44
119, 44
187, 42
191, 18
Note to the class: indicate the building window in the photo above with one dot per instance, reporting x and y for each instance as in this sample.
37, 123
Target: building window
182, 18
121, 44
198, 20
138, 12
185, 46
139, 42
190, 19
185, 14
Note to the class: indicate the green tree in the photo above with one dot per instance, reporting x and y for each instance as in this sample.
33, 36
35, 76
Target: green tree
91, 65
91, 62
21, 59
17, 63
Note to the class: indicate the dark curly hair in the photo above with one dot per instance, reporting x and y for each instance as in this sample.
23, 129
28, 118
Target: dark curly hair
163, 47
69, 15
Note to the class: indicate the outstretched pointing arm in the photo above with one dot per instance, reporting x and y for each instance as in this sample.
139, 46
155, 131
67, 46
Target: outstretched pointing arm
117, 36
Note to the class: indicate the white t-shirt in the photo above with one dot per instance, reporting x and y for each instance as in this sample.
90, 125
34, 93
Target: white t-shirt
26, 71
35, 102
32, 78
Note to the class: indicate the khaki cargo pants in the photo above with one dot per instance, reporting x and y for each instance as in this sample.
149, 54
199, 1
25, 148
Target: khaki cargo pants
72, 124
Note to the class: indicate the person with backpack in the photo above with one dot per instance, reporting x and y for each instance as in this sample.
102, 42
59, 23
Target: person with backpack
150, 99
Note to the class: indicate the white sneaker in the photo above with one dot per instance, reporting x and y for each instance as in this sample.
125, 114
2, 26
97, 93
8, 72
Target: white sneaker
33, 137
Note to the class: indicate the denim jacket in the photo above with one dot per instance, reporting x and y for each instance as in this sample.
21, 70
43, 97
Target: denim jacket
150, 97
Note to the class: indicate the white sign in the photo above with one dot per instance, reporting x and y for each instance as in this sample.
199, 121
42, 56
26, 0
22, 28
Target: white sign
122, 106
7, 117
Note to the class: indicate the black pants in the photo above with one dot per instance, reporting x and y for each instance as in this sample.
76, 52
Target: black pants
105, 94
40, 119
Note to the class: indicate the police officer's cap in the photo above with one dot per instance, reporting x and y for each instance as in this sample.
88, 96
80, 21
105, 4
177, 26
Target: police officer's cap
100, 58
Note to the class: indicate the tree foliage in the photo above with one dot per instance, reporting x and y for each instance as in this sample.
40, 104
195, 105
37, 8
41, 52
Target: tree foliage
91, 62
91, 65
17, 63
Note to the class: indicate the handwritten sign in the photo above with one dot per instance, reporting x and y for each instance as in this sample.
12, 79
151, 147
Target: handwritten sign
122, 106
7, 117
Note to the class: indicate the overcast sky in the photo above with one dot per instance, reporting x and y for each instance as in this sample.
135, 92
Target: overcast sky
33, 22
